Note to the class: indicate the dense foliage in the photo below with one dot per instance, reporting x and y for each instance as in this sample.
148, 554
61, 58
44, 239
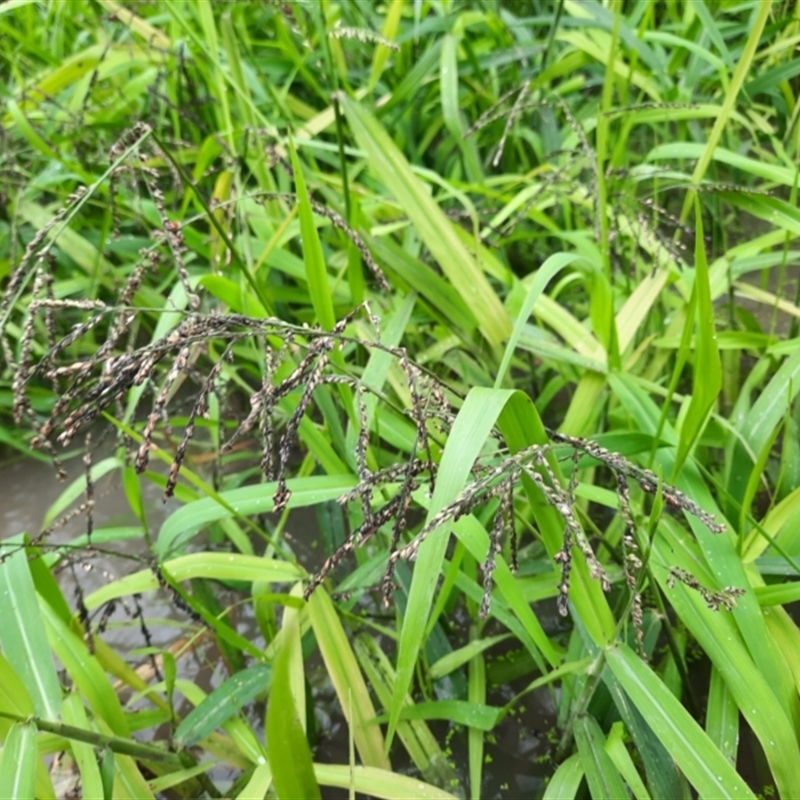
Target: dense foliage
506, 293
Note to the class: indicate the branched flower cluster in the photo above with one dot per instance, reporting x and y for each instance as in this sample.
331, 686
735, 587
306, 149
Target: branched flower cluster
306, 359
725, 598
634, 218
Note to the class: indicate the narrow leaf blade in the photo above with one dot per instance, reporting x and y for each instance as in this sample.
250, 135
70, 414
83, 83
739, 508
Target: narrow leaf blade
223, 703
23, 639
18, 762
705, 767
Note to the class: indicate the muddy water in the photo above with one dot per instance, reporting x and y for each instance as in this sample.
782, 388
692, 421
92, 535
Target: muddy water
30, 488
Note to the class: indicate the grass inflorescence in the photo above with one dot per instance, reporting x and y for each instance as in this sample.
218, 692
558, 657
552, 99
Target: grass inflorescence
473, 281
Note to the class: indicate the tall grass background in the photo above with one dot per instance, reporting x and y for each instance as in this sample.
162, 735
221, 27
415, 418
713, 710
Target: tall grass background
515, 283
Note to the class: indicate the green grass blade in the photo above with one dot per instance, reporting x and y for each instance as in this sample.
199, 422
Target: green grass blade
287, 746
181, 776
347, 679
707, 381
243, 747
615, 747
452, 661
551, 267
83, 753
602, 776
377, 369
764, 701
720, 561
259, 783
18, 762
462, 712
475, 738
423, 279
86, 673
78, 488
14, 696
316, 270
470, 430
706, 768
391, 25
521, 426
474, 537
23, 638
179, 527
217, 566
766, 414
747, 165
566, 780
781, 524
224, 702
430, 222
786, 635
662, 776
451, 111
722, 717
416, 736
379, 783
742, 68
137, 24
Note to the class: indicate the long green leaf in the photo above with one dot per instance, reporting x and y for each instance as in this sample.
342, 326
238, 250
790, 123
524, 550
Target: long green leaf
474, 537
289, 754
601, 774
663, 777
766, 414
521, 426
722, 717
217, 566
84, 754
226, 701
720, 558
551, 267
316, 271
391, 25
18, 762
13, 694
566, 780
186, 521
462, 712
23, 638
346, 676
766, 703
259, 783
476, 694
707, 366
415, 735
742, 68
376, 782
423, 279
705, 767
430, 222
470, 430
86, 673
452, 661
618, 752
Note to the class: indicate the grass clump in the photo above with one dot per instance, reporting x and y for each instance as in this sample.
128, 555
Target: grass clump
506, 293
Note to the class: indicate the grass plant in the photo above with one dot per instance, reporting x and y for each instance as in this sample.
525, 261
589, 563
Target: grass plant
507, 293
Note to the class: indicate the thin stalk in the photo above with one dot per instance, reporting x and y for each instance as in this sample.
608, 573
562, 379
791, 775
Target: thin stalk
603, 123
742, 68
127, 747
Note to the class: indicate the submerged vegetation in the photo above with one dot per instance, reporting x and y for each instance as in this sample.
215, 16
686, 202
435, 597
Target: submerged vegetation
506, 293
